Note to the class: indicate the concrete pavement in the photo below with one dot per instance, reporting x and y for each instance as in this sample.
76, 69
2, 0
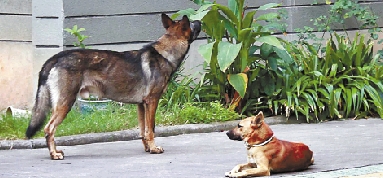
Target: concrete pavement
341, 149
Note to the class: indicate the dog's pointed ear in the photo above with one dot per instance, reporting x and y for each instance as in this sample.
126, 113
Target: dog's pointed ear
257, 120
185, 23
166, 21
185, 20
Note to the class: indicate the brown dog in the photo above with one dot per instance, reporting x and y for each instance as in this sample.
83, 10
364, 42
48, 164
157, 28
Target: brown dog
138, 77
265, 153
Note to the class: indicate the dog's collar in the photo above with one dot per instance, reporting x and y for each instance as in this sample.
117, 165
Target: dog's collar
258, 145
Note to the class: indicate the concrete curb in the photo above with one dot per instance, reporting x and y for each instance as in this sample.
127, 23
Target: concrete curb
133, 134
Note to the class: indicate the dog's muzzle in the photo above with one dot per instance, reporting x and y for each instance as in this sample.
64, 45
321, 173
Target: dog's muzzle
232, 136
195, 27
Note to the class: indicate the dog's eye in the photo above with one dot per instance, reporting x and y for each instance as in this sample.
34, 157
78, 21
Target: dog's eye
239, 126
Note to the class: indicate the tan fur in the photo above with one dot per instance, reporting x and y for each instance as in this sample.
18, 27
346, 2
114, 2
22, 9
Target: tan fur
265, 157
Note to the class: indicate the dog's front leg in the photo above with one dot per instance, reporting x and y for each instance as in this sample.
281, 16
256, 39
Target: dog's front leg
262, 168
141, 124
238, 169
150, 112
256, 172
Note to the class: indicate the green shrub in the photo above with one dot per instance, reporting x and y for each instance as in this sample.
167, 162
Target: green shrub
345, 82
229, 61
196, 113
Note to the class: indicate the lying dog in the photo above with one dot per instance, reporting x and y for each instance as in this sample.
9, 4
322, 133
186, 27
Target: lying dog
265, 153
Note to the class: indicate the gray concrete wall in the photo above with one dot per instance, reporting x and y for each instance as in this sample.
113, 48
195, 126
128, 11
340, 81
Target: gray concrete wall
32, 31
16, 53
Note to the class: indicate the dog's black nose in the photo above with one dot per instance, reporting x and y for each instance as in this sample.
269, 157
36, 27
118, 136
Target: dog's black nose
196, 29
197, 25
233, 136
230, 134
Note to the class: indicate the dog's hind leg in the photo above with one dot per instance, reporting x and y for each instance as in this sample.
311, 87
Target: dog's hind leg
58, 115
150, 112
141, 124
63, 90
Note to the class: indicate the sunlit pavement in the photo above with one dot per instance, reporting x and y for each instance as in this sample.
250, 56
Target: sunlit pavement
341, 149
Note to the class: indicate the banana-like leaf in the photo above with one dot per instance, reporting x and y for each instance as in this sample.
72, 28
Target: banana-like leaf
239, 82
268, 16
248, 20
268, 6
233, 6
230, 14
227, 52
206, 50
271, 40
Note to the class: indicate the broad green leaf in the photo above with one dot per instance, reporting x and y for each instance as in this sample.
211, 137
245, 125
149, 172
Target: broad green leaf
248, 19
206, 50
244, 34
211, 20
239, 82
284, 55
220, 30
271, 40
201, 2
230, 14
253, 49
201, 12
266, 50
267, 17
268, 85
268, 6
273, 63
198, 16
231, 28
204, 7
233, 6
188, 12
227, 52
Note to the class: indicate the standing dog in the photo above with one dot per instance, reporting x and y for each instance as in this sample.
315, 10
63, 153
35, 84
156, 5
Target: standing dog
265, 153
138, 77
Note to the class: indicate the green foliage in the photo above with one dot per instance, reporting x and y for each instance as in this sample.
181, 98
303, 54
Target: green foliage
118, 117
76, 32
12, 128
198, 112
232, 35
342, 80
347, 75
340, 12
345, 82
181, 89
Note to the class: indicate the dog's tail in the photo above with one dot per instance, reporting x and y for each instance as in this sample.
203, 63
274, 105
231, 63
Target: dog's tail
312, 161
43, 100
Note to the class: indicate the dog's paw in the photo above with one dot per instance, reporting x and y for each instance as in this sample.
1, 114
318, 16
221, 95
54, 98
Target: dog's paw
227, 174
57, 155
157, 150
235, 175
